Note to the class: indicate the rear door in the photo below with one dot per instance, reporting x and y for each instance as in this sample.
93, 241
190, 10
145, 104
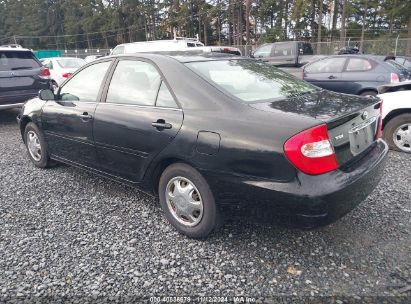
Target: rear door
20, 77
326, 73
139, 119
68, 122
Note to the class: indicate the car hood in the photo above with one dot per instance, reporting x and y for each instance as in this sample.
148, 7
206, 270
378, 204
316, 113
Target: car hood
322, 105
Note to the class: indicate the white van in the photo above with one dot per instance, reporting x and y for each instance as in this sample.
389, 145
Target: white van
176, 44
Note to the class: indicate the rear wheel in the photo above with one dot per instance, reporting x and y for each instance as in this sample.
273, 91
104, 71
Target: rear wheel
36, 146
397, 133
369, 93
187, 201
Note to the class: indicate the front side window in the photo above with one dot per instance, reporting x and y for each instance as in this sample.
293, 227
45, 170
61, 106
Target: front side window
251, 80
358, 65
85, 85
329, 65
134, 82
264, 51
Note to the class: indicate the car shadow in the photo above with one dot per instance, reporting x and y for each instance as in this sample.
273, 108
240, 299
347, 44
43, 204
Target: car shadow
8, 117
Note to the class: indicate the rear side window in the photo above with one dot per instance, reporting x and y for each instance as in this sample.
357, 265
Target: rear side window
134, 82
10, 60
283, 50
329, 65
358, 65
118, 50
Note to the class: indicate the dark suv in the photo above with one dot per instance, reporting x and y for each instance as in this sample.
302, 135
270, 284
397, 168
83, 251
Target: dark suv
21, 77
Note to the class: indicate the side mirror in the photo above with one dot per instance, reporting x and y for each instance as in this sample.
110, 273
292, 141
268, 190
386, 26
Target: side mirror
46, 94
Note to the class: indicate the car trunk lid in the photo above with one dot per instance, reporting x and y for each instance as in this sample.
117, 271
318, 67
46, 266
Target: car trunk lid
352, 121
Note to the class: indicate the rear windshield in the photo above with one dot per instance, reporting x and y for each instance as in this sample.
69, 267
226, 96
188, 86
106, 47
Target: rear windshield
70, 63
251, 80
19, 60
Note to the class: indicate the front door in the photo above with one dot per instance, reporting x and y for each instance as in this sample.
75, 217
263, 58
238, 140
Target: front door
139, 119
68, 121
326, 73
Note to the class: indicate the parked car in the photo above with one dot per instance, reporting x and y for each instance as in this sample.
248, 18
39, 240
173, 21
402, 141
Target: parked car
21, 77
289, 53
396, 117
61, 68
203, 130
404, 61
353, 74
176, 44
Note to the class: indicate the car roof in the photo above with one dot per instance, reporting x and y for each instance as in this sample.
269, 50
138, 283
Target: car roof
12, 49
182, 56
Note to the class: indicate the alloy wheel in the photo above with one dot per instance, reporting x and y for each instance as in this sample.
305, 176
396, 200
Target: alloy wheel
402, 137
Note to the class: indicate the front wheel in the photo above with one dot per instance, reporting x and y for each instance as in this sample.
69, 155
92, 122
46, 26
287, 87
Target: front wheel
187, 201
36, 146
397, 133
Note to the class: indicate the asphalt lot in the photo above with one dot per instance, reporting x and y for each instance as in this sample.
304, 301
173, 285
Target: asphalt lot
68, 234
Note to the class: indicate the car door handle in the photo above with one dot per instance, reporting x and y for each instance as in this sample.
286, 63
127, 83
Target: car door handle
85, 116
332, 77
161, 124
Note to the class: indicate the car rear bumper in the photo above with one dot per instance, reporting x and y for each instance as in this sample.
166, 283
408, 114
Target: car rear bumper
14, 99
11, 106
314, 200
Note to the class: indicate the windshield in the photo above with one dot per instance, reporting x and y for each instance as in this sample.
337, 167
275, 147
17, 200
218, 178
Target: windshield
251, 80
17, 60
71, 63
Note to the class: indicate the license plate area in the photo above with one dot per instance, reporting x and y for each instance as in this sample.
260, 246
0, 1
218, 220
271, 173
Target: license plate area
362, 135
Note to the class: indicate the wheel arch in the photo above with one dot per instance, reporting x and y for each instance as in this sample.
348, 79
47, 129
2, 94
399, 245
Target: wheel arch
23, 123
367, 89
158, 169
393, 114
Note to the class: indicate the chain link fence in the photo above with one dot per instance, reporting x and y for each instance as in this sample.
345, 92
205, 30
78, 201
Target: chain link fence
394, 46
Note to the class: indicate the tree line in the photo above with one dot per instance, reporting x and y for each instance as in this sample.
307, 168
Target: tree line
69, 24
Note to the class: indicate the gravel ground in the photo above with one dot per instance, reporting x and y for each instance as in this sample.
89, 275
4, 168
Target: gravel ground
67, 234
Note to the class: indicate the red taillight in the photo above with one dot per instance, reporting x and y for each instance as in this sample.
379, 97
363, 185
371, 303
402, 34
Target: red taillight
394, 78
311, 151
67, 75
379, 131
44, 73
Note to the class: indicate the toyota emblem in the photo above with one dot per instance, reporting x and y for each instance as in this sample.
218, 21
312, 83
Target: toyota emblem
364, 115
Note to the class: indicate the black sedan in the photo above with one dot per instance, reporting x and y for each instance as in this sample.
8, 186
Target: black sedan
200, 130
354, 74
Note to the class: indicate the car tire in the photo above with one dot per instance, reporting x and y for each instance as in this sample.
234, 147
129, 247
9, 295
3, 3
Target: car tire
391, 132
54, 86
36, 146
178, 184
369, 93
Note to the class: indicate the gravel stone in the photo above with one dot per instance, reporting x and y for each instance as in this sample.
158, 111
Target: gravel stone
66, 233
